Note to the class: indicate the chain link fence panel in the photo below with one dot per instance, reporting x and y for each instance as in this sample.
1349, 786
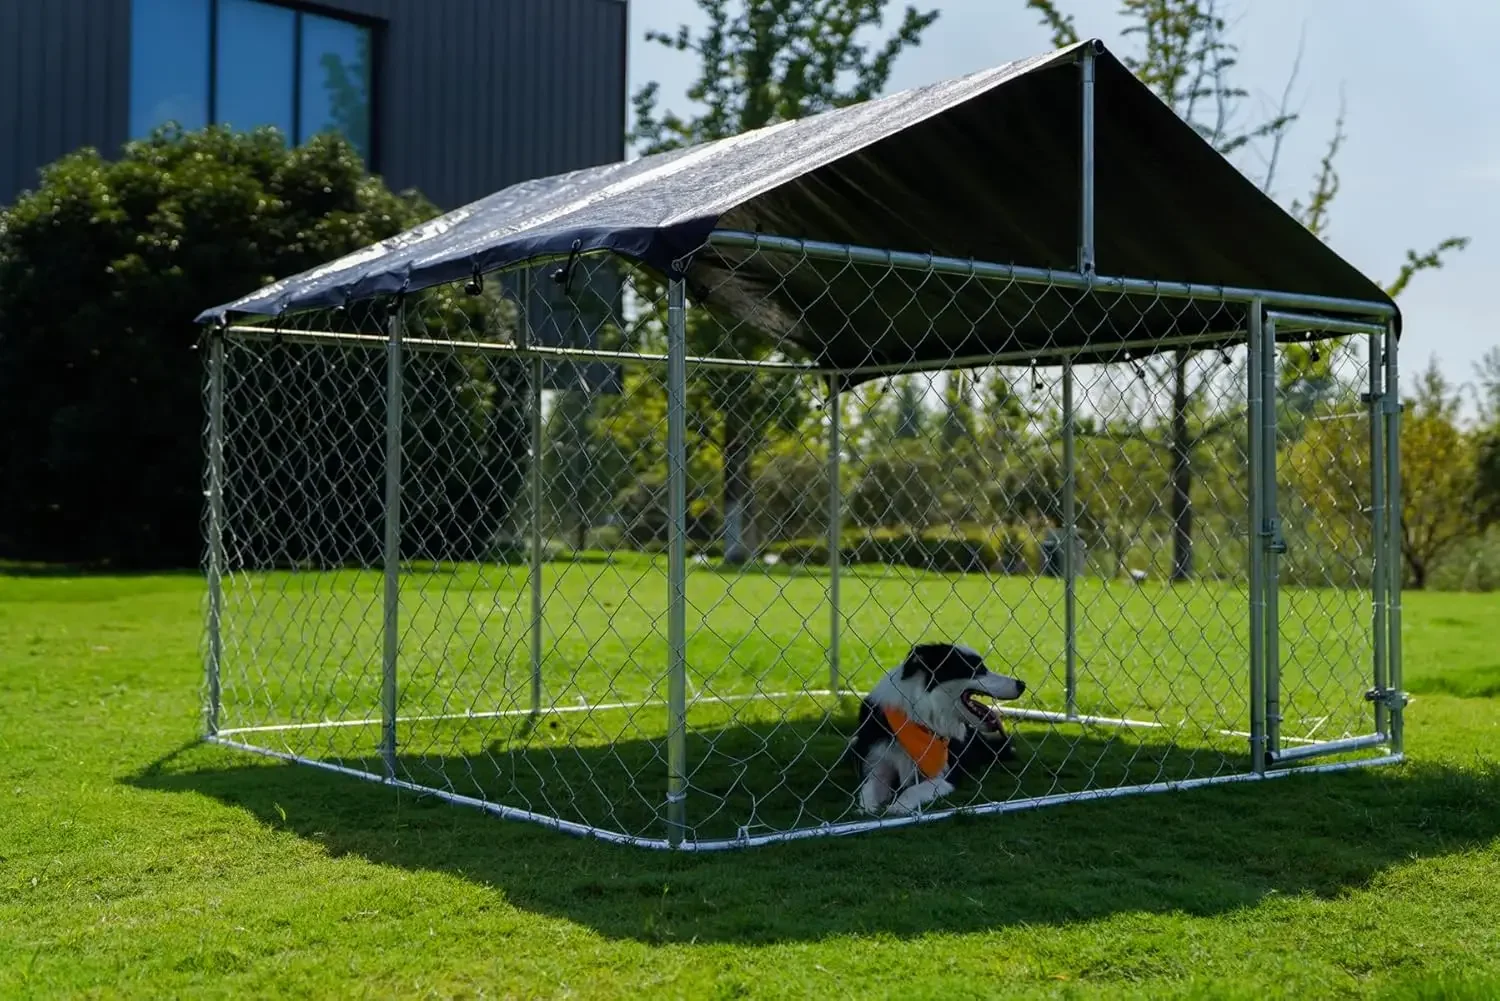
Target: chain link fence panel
576, 546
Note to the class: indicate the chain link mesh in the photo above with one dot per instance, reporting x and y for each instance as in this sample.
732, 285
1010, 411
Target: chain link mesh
532, 666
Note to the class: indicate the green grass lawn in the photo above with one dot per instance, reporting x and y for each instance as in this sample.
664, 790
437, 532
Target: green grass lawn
302, 649
135, 862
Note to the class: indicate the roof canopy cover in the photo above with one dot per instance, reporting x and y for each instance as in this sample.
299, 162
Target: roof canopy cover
983, 167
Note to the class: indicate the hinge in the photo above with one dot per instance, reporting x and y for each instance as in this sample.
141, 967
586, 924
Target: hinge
1393, 699
1386, 403
1275, 541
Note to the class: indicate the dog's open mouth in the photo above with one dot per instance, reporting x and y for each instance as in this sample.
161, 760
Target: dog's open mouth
988, 718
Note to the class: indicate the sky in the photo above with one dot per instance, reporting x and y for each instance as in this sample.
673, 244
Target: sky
1421, 162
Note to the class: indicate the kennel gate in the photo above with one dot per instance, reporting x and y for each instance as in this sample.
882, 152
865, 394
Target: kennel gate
451, 672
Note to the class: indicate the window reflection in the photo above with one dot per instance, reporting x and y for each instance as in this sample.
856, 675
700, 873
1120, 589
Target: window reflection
255, 68
247, 63
169, 64
335, 80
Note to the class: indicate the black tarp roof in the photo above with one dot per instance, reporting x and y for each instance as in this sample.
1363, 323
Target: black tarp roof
984, 166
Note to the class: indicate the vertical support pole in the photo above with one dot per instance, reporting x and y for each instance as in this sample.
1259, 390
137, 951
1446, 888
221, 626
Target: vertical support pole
1254, 389
1377, 527
535, 513
1070, 544
1393, 536
677, 562
1271, 538
394, 410
1086, 262
215, 660
835, 524
1086, 266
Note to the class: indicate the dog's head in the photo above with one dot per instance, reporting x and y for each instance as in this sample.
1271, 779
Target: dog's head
952, 681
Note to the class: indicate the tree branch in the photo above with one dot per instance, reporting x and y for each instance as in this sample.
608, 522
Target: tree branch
1416, 263
1134, 434
1284, 118
1215, 428
1064, 32
1314, 215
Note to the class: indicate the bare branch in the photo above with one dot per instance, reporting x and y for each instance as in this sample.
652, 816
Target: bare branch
1283, 116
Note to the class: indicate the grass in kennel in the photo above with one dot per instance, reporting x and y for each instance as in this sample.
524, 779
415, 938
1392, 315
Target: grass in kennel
135, 863
765, 734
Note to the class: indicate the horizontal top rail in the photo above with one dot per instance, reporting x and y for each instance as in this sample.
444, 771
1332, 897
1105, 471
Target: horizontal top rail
432, 344
1301, 322
1126, 350
906, 260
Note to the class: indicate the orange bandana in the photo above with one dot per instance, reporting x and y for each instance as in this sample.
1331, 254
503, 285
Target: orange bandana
926, 748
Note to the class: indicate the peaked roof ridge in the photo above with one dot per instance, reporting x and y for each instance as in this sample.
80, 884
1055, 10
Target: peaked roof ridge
983, 166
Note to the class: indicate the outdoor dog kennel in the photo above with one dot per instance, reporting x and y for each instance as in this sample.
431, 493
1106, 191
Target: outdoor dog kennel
600, 501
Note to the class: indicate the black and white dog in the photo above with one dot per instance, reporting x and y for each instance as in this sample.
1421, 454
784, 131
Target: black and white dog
922, 729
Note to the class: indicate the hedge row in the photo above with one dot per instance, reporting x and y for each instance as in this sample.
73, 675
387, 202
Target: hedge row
1011, 551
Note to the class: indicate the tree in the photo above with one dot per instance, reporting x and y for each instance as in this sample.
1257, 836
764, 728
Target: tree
1440, 504
762, 63
1487, 444
1187, 58
102, 270
348, 88
1439, 488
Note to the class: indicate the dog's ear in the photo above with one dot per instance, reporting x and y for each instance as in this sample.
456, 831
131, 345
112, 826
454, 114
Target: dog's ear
916, 663
942, 662
925, 660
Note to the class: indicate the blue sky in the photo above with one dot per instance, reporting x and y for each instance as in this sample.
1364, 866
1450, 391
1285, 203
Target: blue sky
1422, 158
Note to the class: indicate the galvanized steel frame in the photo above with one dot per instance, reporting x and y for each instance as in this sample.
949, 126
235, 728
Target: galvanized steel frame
1266, 312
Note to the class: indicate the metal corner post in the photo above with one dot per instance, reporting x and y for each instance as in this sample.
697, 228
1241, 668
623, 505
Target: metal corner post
523, 332
1393, 533
214, 663
835, 525
1087, 265
391, 645
1377, 528
1070, 543
1255, 553
677, 562
1271, 539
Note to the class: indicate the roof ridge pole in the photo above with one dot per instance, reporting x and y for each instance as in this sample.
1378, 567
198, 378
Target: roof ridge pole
1070, 471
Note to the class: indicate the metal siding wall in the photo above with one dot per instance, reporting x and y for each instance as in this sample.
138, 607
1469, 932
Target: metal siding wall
64, 79
479, 94
474, 95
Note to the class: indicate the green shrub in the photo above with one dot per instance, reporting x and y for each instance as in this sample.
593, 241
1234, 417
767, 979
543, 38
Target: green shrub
102, 271
941, 550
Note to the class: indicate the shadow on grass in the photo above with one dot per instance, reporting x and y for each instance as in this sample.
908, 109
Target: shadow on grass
1200, 852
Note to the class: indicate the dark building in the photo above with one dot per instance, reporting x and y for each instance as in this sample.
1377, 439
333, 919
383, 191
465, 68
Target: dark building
456, 98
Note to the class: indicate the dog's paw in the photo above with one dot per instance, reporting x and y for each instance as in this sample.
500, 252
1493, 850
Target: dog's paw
869, 802
916, 797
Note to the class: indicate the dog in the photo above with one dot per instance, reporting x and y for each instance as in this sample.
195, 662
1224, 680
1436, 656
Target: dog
922, 729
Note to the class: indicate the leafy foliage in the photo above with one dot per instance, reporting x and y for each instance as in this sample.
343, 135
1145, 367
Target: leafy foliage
1186, 56
762, 63
102, 270
1441, 500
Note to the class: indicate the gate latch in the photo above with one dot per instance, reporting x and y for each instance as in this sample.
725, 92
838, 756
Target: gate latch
1275, 541
1393, 699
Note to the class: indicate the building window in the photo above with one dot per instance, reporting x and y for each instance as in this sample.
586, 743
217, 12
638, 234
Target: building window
248, 63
